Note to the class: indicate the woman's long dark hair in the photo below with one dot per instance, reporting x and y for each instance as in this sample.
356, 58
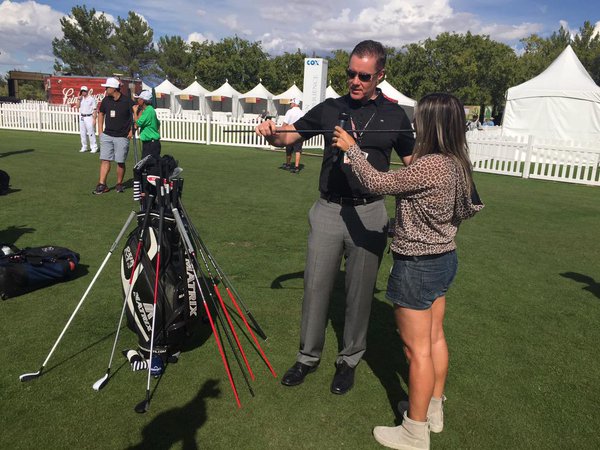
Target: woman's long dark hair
440, 128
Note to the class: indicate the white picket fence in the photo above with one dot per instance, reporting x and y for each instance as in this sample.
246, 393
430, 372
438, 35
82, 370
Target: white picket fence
187, 127
530, 157
527, 157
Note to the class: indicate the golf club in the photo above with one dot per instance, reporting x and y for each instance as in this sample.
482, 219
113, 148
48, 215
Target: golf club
29, 376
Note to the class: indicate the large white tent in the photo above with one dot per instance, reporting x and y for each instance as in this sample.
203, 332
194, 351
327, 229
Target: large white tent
562, 102
225, 100
166, 96
330, 92
285, 97
258, 100
391, 92
193, 97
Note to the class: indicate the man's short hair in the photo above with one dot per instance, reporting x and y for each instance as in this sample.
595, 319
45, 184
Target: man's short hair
371, 48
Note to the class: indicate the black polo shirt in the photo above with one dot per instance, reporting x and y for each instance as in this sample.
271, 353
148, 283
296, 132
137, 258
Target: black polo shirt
117, 115
336, 177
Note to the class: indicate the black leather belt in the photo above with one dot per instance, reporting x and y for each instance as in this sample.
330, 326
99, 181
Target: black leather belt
350, 201
86, 115
418, 257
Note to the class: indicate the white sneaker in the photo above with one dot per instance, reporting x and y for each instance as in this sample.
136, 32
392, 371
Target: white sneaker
94, 151
83, 150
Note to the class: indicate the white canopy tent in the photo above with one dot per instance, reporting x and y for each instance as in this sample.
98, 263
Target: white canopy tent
193, 97
406, 102
562, 102
285, 97
330, 92
166, 96
225, 100
258, 100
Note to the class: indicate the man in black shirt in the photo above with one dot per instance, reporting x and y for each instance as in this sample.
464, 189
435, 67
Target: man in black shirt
114, 128
346, 221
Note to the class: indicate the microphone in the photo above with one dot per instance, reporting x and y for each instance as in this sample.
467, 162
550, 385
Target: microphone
342, 119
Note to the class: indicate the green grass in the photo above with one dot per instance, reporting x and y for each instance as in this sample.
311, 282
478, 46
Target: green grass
522, 319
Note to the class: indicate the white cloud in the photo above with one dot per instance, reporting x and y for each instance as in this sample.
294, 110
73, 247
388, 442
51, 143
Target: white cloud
395, 23
199, 37
231, 22
28, 24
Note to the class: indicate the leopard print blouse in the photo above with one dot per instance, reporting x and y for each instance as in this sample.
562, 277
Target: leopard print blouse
431, 201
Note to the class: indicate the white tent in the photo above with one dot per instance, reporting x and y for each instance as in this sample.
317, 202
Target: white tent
391, 92
193, 97
225, 100
258, 100
562, 102
285, 97
330, 92
166, 96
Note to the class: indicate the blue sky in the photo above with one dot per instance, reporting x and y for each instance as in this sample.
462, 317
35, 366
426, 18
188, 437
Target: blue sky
28, 27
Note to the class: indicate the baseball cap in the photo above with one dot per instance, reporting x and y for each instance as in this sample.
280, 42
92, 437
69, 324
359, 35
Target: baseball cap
296, 101
112, 83
83, 88
144, 95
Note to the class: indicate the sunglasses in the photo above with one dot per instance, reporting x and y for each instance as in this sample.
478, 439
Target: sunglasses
361, 76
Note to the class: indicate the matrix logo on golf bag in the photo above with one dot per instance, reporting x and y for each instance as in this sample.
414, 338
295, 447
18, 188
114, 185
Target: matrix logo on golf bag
176, 303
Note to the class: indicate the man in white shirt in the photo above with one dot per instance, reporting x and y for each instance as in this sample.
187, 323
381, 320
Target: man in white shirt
87, 110
293, 114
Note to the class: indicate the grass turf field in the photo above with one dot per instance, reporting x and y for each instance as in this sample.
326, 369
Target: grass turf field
522, 318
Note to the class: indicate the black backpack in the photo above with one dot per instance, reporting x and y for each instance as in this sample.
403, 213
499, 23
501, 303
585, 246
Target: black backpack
4, 182
22, 271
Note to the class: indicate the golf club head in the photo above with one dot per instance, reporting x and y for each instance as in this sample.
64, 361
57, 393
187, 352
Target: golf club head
30, 376
100, 383
176, 172
142, 407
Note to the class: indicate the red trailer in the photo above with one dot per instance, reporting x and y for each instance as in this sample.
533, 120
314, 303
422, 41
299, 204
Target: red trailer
64, 89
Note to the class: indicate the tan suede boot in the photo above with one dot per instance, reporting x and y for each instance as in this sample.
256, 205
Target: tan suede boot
411, 435
435, 412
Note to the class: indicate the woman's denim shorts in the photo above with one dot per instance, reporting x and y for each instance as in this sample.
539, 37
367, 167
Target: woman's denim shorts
416, 281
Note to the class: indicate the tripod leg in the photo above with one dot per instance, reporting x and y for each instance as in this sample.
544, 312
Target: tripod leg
30, 376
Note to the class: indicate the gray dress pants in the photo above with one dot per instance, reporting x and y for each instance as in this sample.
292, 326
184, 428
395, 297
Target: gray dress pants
359, 233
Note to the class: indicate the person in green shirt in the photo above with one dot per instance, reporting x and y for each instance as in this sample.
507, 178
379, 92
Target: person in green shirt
148, 124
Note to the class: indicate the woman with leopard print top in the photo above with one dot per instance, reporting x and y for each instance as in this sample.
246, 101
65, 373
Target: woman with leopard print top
434, 193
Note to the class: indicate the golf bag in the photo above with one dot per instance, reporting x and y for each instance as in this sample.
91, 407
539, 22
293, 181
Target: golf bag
22, 271
176, 304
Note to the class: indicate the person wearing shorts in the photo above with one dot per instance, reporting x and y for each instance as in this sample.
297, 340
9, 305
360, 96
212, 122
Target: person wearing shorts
434, 193
291, 116
114, 128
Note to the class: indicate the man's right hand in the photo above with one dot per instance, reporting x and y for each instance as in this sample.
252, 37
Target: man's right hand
267, 129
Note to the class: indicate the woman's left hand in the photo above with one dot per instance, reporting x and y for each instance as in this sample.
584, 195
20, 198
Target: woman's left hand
341, 139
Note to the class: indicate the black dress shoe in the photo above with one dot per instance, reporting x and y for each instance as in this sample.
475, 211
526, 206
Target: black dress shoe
343, 379
296, 374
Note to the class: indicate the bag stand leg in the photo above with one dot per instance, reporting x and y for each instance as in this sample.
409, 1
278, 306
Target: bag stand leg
142, 235
30, 376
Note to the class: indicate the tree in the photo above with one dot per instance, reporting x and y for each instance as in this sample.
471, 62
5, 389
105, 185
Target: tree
134, 54
336, 71
174, 60
539, 53
586, 45
85, 46
473, 67
237, 60
282, 71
